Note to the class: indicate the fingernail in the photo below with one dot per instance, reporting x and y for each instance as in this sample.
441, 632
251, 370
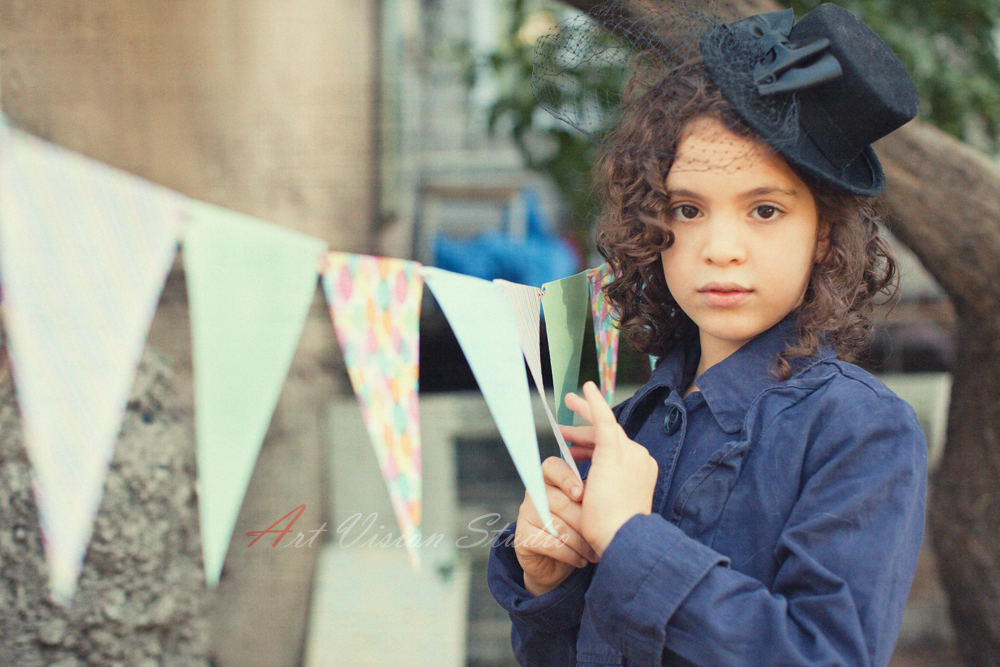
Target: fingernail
583, 562
576, 491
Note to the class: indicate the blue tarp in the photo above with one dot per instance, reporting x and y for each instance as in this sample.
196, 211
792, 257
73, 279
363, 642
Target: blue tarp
538, 258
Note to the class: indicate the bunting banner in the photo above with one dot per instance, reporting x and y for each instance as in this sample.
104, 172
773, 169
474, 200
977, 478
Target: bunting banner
84, 252
250, 285
564, 305
375, 306
605, 330
526, 304
484, 325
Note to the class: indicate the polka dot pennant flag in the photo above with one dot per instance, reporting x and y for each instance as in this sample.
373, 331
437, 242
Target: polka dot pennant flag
605, 330
375, 307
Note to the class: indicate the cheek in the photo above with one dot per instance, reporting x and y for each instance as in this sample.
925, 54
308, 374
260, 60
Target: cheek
798, 271
797, 251
670, 261
787, 265
678, 249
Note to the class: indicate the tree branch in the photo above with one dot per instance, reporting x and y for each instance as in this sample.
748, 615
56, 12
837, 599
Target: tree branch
945, 197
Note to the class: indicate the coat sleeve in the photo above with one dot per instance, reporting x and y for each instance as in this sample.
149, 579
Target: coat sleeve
544, 628
845, 560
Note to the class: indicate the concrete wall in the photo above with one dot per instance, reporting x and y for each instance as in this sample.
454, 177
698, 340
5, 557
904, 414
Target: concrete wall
268, 108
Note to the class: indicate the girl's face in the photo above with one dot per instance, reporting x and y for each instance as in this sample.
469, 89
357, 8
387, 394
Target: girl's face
746, 236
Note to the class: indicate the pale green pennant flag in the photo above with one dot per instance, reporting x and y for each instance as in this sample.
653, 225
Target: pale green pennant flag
250, 285
484, 324
566, 305
84, 252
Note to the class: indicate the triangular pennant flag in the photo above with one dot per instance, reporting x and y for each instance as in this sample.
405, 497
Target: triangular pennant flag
605, 330
526, 304
375, 306
565, 303
484, 326
250, 285
84, 251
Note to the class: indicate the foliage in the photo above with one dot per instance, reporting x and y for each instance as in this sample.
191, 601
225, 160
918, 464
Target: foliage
546, 145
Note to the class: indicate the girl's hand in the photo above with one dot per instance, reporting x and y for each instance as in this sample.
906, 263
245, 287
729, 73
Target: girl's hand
622, 473
546, 560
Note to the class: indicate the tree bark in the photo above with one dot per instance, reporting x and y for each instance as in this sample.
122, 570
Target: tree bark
944, 198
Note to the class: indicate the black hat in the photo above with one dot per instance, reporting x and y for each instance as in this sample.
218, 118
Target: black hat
848, 86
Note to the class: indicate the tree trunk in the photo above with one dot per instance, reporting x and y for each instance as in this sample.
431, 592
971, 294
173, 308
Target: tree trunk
945, 198
945, 203
965, 507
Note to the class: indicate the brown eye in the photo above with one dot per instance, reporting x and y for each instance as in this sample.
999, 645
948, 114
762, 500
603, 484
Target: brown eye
766, 212
686, 212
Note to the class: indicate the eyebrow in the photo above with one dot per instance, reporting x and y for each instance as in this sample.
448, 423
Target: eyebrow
764, 191
682, 193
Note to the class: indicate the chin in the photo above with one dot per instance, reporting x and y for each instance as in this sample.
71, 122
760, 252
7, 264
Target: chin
733, 331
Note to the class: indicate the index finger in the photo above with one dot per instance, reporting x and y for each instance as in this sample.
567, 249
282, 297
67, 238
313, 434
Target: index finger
558, 474
600, 411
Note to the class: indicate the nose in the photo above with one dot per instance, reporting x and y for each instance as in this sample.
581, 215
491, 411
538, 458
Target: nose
724, 243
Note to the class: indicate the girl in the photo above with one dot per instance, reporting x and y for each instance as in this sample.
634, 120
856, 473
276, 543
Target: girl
760, 500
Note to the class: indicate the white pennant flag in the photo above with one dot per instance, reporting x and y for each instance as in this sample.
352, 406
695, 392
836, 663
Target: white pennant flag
484, 325
84, 252
526, 303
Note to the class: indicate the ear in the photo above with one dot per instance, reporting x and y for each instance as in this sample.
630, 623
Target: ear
822, 242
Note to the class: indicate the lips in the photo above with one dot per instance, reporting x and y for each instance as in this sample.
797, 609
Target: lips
724, 295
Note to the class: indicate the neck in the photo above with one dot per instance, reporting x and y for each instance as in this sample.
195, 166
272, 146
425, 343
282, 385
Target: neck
713, 351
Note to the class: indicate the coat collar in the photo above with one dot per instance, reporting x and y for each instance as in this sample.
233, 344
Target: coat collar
730, 387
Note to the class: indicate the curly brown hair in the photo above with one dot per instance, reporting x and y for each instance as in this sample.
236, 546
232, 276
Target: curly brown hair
630, 178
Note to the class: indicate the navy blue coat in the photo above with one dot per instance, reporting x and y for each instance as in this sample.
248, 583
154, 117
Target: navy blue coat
788, 537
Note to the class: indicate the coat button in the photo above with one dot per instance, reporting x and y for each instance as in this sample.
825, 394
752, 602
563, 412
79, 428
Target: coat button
672, 421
